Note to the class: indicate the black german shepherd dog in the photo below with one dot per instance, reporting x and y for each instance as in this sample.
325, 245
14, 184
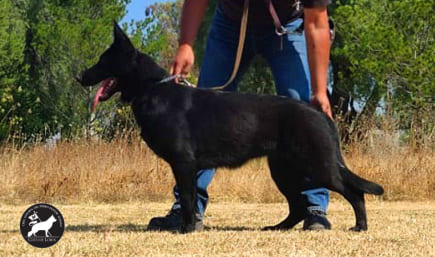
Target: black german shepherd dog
195, 129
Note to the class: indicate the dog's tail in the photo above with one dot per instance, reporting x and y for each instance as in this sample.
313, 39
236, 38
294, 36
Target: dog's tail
350, 178
359, 183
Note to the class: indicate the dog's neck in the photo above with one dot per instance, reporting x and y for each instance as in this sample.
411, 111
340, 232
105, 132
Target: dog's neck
152, 73
145, 74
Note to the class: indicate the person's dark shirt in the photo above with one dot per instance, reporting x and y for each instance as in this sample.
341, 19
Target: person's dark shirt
259, 13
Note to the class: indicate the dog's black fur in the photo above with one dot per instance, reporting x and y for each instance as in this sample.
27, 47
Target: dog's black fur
195, 129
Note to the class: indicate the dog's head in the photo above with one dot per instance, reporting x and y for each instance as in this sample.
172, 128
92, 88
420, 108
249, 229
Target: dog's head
117, 68
52, 219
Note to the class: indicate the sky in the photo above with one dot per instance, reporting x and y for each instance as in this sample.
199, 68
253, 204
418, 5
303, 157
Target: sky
136, 9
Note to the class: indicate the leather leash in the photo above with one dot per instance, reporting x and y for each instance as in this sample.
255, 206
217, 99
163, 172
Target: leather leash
279, 30
242, 36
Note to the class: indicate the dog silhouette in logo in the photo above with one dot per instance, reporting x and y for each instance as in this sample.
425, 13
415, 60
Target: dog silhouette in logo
43, 225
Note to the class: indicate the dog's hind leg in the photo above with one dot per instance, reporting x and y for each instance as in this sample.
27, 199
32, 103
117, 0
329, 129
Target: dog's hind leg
186, 182
297, 213
287, 183
356, 199
353, 187
354, 196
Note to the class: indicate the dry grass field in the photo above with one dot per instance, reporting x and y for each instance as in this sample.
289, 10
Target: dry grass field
107, 193
232, 229
127, 170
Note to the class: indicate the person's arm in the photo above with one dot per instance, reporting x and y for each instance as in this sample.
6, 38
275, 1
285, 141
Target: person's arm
318, 45
191, 18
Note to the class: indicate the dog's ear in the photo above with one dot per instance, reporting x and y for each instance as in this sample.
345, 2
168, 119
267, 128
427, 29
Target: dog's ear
121, 40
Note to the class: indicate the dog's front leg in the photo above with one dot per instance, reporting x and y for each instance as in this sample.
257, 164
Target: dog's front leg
185, 178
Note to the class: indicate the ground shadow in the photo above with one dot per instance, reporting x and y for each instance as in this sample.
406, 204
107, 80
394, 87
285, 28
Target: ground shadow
230, 228
129, 227
9, 231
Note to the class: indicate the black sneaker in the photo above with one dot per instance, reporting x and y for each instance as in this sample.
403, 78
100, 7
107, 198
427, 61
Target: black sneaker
173, 221
316, 221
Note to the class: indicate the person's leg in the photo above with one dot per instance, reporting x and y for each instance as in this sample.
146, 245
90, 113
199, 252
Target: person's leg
288, 61
289, 66
203, 178
215, 70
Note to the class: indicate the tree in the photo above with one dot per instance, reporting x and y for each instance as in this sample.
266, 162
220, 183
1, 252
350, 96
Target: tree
16, 104
383, 55
157, 34
59, 39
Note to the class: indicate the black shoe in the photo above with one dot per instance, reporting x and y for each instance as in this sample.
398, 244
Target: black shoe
173, 221
316, 221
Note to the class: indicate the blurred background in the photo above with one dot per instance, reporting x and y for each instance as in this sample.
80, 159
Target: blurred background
382, 89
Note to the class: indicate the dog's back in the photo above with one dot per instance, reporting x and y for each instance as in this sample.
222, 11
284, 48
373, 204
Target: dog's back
237, 126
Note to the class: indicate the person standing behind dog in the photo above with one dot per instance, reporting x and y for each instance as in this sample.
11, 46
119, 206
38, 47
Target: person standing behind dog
298, 60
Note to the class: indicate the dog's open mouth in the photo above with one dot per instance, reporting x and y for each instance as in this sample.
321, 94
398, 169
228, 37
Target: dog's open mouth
105, 91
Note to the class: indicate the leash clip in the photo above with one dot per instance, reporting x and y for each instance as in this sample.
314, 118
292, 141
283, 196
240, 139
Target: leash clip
187, 83
183, 81
281, 31
167, 79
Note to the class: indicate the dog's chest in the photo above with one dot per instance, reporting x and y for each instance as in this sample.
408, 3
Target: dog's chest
161, 129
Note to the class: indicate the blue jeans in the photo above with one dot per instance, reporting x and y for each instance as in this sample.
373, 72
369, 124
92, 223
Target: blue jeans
288, 62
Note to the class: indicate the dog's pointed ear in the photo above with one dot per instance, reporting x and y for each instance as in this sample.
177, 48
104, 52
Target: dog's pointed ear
121, 40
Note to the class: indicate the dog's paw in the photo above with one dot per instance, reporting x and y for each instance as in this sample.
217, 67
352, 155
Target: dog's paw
275, 228
187, 229
271, 228
358, 229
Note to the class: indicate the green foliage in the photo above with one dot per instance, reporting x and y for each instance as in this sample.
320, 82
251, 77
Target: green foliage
69, 36
384, 55
16, 104
43, 45
157, 33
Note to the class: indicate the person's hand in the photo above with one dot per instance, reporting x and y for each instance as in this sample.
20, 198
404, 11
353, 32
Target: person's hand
322, 101
183, 61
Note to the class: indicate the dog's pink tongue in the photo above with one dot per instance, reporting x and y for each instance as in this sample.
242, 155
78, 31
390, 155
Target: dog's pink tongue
100, 91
